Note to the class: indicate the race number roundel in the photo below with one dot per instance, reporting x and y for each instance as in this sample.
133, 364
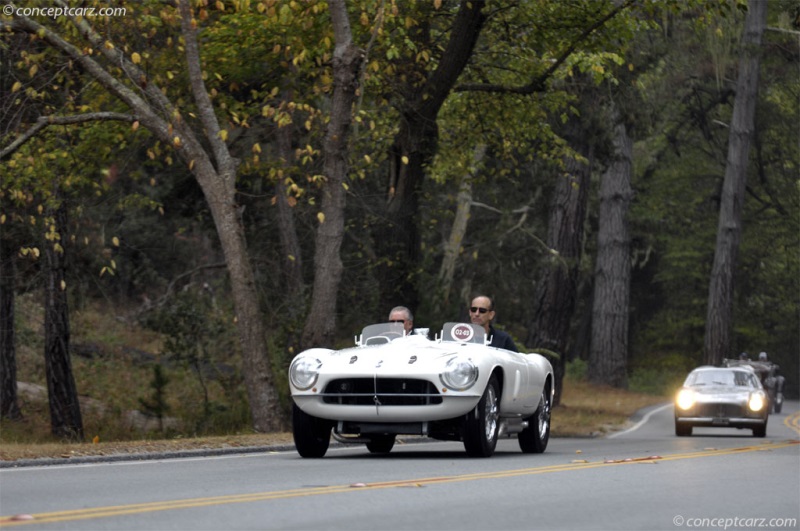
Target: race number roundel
462, 332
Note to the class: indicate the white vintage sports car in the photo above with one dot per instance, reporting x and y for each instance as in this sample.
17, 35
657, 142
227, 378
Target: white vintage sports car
454, 387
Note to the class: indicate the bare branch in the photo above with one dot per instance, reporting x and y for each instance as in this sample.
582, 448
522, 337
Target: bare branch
538, 84
226, 164
45, 121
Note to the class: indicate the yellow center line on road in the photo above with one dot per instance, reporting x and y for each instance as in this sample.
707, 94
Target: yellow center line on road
122, 510
793, 422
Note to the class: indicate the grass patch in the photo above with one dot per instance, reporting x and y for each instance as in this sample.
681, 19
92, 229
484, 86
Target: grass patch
589, 410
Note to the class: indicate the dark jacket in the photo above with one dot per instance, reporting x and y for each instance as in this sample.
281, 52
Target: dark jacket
501, 340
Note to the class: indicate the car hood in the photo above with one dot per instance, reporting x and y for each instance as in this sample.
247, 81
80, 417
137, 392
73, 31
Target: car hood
721, 390
401, 352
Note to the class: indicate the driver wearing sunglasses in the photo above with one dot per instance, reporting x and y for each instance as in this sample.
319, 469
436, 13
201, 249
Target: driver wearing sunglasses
481, 312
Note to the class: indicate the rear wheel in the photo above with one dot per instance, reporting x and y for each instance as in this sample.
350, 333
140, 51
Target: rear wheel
480, 428
534, 438
381, 444
312, 435
682, 430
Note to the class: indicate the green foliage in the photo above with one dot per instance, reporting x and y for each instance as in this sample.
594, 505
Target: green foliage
198, 335
156, 405
577, 370
660, 374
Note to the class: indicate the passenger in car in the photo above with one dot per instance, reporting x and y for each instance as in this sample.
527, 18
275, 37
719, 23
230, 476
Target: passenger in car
401, 314
481, 312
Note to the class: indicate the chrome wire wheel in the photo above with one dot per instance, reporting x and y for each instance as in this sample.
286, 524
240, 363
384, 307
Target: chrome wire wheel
534, 438
492, 413
481, 425
543, 417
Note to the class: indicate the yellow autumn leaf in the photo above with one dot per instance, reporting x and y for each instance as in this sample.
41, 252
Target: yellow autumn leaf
367, 159
256, 148
135, 125
109, 45
63, 285
404, 159
2, 219
136, 58
32, 71
176, 141
115, 241
16, 86
321, 217
223, 134
113, 264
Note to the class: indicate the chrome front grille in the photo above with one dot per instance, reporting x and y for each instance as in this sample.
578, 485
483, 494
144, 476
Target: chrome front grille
720, 410
381, 391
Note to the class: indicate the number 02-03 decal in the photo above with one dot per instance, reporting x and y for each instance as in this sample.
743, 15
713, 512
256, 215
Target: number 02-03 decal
462, 332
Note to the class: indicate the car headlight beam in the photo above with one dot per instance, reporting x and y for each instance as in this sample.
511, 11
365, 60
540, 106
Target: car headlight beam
756, 402
459, 374
685, 399
304, 372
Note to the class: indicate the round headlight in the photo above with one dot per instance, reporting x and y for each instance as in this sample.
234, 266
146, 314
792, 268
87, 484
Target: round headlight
685, 399
459, 374
304, 372
756, 402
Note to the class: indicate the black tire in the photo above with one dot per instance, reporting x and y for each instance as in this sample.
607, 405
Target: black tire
381, 444
534, 438
682, 430
312, 436
760, 431
482, 425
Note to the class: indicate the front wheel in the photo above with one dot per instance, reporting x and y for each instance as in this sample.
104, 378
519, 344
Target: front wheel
682, 430
312, 435
778, 404
381, 444
480, 428
534, 438
760, 431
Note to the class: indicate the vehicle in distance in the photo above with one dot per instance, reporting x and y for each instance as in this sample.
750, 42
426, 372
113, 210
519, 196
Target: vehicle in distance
454, 387
724, 397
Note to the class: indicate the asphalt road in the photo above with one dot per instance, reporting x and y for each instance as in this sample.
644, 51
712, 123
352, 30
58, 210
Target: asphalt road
642, 478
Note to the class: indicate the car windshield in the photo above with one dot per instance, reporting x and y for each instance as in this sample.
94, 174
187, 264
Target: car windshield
720, 377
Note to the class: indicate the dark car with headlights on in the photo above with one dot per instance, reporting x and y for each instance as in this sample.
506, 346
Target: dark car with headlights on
721, 397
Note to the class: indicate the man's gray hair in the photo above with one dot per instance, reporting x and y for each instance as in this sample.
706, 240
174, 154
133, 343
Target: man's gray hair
409, 315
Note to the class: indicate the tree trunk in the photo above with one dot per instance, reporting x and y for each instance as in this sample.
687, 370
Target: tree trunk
554, 297
348, 59
413, 148
452, 248
609, 346
9, 403
719, 317
290, 245
65, 411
